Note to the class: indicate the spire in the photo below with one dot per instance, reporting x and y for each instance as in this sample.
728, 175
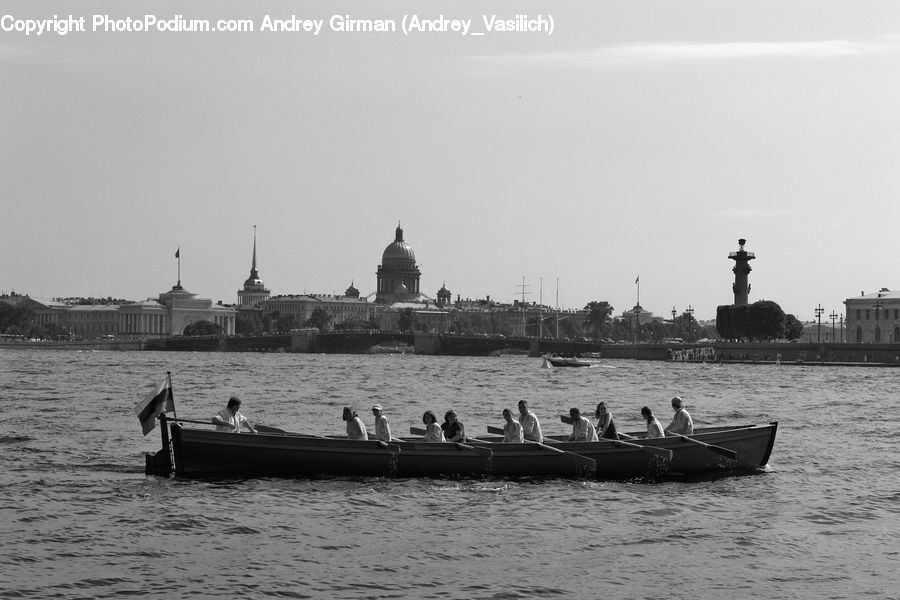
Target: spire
253, 273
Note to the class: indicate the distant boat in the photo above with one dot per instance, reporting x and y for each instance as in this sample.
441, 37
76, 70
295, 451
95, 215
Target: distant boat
559, 361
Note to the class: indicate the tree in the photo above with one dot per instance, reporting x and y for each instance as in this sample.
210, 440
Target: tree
407, 319
762, 320
248, 322
793, 328
202, 328
597, 317
319, 318
15, 320
767, 320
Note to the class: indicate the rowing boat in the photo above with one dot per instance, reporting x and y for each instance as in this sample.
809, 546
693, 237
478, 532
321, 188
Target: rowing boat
197, 452
571, 361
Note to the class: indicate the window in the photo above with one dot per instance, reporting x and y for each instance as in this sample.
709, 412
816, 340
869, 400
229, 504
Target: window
867, 314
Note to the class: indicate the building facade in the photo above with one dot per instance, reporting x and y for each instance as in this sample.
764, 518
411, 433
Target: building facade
873, 318
342, 309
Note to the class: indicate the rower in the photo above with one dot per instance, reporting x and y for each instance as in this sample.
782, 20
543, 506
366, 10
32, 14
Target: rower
512, 430
582, 428
682, 423
356, 430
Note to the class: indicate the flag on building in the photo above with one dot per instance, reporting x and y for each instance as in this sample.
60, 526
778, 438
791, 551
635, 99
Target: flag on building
178, 252
637, 279
159, 401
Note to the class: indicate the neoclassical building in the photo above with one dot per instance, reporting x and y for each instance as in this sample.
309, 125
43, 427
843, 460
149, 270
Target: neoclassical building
398, 275
341, 309
171, 313
168, 315
874, 318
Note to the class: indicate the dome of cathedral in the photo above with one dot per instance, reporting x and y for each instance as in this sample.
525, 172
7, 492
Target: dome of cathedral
398, 250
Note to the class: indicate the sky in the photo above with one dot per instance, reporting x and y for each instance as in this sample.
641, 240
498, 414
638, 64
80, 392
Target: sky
635, 139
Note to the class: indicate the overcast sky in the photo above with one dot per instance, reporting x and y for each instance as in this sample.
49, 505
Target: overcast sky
637, 138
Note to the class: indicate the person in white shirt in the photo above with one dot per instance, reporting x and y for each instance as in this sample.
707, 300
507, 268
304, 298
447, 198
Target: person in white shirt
433, 431
531, 427
682, 423
230, 418
582, 428
512, 430
382, 428
356, 430
654, 428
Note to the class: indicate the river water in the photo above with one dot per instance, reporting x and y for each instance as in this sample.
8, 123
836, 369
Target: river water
81, 520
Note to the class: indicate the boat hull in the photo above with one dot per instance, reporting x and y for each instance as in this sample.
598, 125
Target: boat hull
201, 453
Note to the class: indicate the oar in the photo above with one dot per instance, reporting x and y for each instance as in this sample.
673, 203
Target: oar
585, 461
267, 429
496, 430
648, 449
717, 449
476, 450
392, 448
416, 431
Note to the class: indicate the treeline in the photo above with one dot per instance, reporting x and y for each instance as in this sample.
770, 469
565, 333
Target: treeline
762, 320
19, 321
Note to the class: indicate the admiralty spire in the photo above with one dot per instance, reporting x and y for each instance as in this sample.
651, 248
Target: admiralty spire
254, 290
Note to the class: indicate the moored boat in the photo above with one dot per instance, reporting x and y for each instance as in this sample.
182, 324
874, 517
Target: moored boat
194, 452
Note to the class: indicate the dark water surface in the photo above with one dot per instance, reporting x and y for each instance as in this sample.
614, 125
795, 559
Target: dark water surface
81, 520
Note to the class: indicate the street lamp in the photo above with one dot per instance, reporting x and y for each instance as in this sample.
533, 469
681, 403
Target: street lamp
689, 311
834, 317
673, 323
819, 310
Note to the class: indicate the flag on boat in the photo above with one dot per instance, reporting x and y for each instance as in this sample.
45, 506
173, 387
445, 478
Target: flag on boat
159, 401
178, 252
637, 279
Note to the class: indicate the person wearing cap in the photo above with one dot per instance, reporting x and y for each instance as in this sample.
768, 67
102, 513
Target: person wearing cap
582, 428
454, 431
512, 430
654, 428
682, 424
355, 428
382, 428
531, 427
230, 418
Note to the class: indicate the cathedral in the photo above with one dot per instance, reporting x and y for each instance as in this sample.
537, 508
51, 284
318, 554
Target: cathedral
398, 275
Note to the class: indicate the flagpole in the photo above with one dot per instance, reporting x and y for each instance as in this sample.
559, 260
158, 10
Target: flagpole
171, 395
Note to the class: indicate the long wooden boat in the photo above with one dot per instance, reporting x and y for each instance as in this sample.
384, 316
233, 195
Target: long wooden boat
194, 452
